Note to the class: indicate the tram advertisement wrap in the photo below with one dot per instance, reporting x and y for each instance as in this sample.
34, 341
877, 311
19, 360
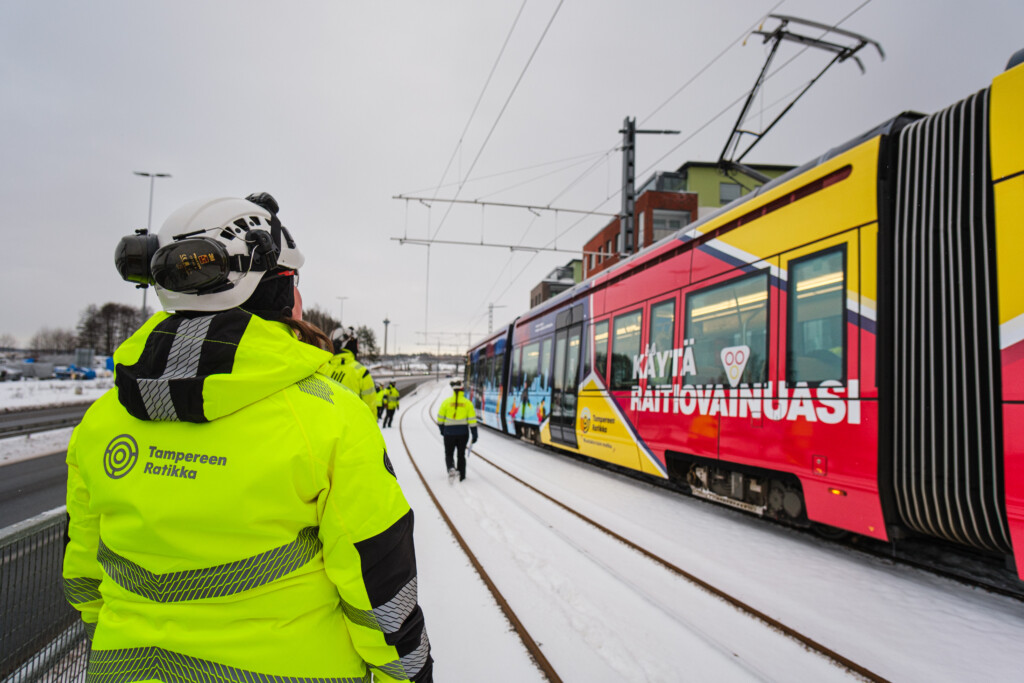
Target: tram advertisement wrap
831, 402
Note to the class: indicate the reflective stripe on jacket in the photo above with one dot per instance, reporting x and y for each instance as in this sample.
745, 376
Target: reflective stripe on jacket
456, 416
346, 370
234, 514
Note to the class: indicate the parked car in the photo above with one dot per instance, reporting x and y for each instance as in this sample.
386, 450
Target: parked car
7, 373
73, 372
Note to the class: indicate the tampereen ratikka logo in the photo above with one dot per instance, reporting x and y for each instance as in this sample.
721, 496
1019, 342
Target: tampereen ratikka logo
120, 457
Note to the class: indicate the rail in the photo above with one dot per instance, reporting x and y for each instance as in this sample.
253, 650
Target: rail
532, 646
30, 421
803, 639
41, 637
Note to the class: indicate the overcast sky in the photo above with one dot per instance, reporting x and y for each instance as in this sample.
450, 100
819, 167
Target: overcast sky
336, 107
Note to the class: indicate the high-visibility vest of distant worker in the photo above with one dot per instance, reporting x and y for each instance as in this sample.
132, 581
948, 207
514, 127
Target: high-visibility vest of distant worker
390, 404
456, 420
345, 369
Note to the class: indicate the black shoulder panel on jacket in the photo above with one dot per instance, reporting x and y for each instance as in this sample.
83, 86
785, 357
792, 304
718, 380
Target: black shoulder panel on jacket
180, 353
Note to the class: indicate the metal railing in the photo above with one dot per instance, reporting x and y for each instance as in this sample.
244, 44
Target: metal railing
41, 635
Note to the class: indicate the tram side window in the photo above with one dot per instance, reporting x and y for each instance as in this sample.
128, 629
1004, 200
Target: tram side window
625, 347
587, 365
660, 338
816, 345
531, 365
601, 349
726, 316
545, 364
516, 374
499, 364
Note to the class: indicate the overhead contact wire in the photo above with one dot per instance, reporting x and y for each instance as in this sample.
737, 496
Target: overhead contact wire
479, 98
500, 114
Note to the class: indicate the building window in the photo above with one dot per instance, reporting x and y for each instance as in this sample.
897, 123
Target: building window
733, 314
667, 223
816, 343
727, 192
671, 182
611, 248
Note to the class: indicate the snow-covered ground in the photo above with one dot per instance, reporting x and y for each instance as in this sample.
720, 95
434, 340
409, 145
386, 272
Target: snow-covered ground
603, 612
39, 393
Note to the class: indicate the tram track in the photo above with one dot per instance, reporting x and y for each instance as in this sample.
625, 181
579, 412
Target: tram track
955, 563
805, 641
532, 646
744, 607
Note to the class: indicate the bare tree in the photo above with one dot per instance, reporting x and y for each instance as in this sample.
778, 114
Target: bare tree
7, 341
105, 327
320, 318
367, 343
328, 323
53, 340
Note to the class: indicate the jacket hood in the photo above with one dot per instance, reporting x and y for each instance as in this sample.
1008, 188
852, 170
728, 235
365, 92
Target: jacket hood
192, 367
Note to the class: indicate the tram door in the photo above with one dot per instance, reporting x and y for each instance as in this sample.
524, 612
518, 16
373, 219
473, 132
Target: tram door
565, 383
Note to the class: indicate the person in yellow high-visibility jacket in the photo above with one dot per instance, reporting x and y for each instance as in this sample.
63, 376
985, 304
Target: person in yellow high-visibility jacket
380, 400
345, 369
391, 397
456, 420
234, 515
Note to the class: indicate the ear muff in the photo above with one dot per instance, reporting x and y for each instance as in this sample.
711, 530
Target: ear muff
133, 256
191, 265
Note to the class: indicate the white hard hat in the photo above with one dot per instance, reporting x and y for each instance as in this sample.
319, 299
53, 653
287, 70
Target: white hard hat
244, 241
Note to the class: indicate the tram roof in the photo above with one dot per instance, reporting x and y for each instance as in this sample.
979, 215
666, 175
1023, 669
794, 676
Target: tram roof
649, 251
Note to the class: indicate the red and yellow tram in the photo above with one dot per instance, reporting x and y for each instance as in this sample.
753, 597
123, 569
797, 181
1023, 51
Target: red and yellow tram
843, 347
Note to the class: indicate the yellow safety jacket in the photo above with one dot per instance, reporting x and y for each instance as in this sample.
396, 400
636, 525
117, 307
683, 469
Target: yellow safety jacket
234, 516
456, 416
345, 369
379, 397
391, 398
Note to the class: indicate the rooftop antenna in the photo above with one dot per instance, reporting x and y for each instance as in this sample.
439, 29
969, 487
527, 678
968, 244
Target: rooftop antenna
729, 160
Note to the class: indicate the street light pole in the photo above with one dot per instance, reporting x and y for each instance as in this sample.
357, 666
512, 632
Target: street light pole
386, 323
341, 320
149, 222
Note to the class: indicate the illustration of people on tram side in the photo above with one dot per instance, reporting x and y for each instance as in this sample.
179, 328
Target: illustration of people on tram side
530, 402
